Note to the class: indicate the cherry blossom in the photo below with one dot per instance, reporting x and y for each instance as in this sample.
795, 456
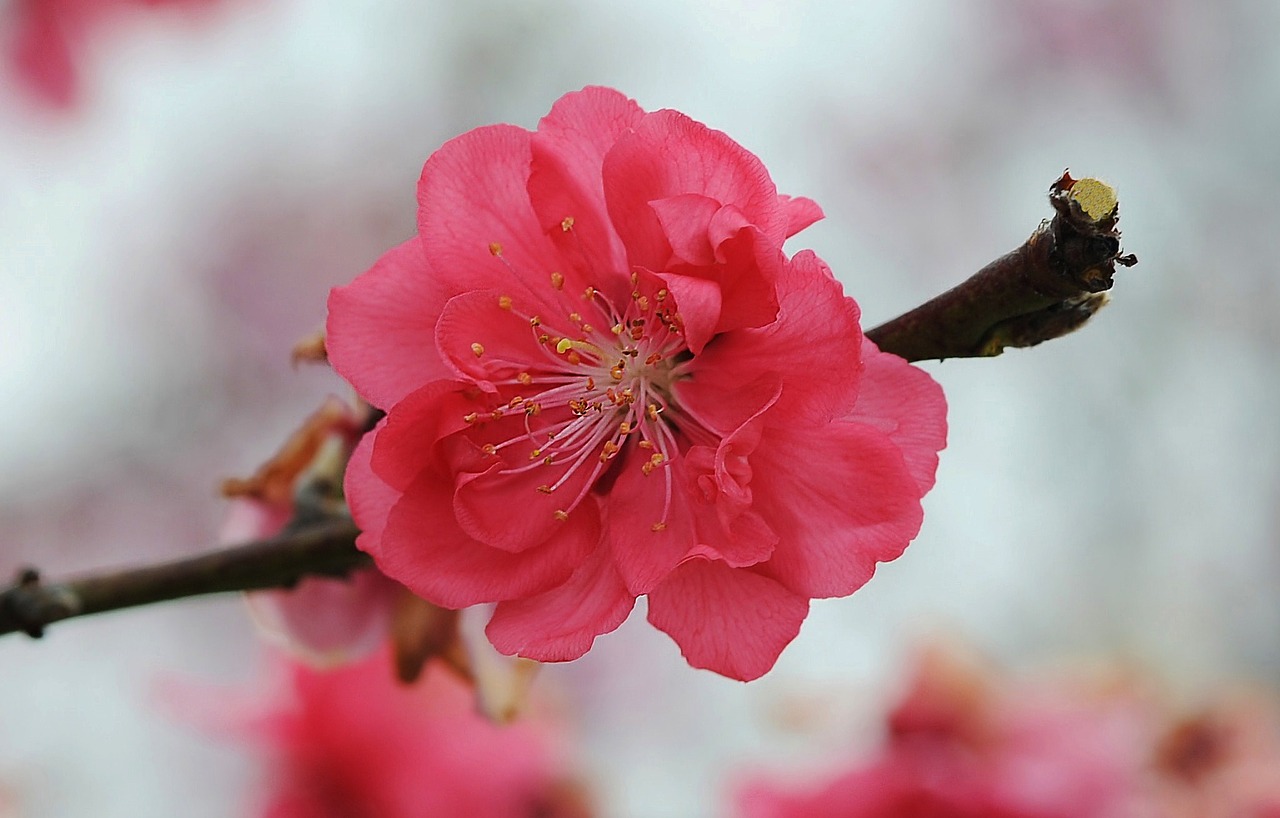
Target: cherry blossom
605, 379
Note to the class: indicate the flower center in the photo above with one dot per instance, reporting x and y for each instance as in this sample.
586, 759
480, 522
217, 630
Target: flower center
599, 390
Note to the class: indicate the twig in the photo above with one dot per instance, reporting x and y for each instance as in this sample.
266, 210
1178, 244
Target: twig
324, 549
1046, 288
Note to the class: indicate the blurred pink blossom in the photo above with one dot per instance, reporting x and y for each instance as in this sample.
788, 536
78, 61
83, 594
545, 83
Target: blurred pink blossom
45, 39
351, 742
965, 743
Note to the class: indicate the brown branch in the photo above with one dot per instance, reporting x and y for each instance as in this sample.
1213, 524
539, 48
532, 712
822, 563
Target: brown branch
323, 549
1046, 288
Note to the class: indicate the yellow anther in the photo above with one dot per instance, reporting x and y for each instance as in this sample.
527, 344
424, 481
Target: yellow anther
489, 448
645, 444
637, 333
478, 349
661, 295
524, 378
470, 417
566, 224
656, 527
656, 458
652, 359
564, 345
588, 329
535, 321
589, 293
616, 372
591, 384
544, 338
557, 280
535, 454
548, 460
624, 428
504, 302
652, 411
643, 303
560, 515
575, 317
495, 249
516, 401
545, 489
616, 329
573, 358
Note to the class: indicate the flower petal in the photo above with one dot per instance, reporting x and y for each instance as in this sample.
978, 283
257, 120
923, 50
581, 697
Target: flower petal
407, 436
801, 212
329, 620
840, 497
730, 620
477, 225
484, 342
814, 345
565, 180
560, 624
686, 222
382, 327
416, 541
906, 403
668, 154
635, 503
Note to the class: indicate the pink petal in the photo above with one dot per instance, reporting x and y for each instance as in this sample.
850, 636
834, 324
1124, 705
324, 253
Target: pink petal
729, 620
668, 154
368, 498
407, 437
424, 548
814, 346
801, 212
841, 498
686, 222
328, 619
40, 51
568, 152
508, 511
507, 345
381, 334
635, 503
698, 302
560, 624
747, 269
477, 224
907, 404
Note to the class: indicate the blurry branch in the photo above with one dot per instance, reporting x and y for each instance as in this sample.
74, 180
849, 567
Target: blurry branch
1046, 288
323, 549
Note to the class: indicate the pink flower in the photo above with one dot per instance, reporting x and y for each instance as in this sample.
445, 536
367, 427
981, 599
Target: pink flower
604, 379
326, 620
962, 745
45, 38
351, 742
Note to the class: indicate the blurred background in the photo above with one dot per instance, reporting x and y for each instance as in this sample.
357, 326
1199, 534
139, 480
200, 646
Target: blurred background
181, 183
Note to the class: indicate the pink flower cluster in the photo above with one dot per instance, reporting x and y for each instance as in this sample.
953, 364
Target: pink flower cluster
604, 379
966, 744
352, 742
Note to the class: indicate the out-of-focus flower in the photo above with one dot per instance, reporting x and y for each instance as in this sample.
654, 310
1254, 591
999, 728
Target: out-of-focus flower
327, 620
605, 379
966, 744
351, 742
44, 38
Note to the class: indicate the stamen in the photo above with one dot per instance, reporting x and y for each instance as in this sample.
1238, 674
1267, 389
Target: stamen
560, 514
557, 281
477, 349
504, 302
495, 249
566, 224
